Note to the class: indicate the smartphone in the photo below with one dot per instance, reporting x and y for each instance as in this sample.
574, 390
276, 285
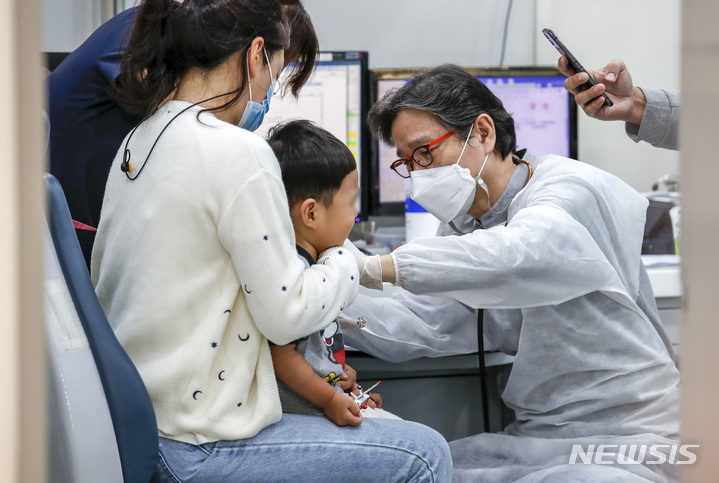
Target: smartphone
574, 63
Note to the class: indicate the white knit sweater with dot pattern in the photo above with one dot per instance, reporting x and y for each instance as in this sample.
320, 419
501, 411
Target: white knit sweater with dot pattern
195, 266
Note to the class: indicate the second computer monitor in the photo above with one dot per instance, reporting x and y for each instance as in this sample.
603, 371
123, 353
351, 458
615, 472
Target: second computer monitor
337, 99
544, 115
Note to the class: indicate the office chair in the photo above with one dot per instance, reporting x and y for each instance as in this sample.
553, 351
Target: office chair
102, 424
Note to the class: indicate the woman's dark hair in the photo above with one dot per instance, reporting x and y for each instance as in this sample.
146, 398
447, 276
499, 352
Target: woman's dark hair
313, 161
170, 38
303, 46
454, 97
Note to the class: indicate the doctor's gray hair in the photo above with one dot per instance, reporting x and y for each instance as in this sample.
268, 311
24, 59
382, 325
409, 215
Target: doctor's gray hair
454, 97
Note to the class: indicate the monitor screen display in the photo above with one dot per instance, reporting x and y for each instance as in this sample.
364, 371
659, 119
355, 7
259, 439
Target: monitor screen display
544, 115
336, 98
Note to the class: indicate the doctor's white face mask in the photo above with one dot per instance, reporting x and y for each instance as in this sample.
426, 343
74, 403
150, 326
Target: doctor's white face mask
447, 191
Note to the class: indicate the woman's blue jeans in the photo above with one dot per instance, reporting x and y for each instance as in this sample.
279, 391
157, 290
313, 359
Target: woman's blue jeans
310, 448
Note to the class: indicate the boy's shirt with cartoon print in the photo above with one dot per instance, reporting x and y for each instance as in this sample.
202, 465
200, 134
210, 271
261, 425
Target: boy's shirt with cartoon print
324, 351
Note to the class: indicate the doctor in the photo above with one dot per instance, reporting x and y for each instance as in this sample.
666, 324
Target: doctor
554, 257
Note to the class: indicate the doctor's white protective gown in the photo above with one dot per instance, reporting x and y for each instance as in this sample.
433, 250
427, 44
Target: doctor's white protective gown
561, 280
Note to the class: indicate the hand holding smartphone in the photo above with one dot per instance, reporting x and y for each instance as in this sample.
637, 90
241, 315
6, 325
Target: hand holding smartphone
574, 63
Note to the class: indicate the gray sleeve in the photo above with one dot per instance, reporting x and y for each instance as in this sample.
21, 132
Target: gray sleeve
660, 122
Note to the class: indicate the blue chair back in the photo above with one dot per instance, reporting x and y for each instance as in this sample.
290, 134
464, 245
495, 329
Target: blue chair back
131, 411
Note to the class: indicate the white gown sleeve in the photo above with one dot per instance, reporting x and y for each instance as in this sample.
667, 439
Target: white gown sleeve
542, 257
407, 326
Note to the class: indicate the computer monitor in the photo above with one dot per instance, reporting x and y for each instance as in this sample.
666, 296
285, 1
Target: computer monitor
545, 118
337, 98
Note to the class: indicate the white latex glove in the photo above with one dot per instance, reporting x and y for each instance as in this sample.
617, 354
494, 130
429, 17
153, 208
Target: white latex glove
370, 269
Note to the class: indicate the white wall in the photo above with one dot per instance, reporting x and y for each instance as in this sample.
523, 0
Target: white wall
420, 33
67, 23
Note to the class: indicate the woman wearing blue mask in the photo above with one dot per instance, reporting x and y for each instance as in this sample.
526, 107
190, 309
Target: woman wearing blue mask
195, 264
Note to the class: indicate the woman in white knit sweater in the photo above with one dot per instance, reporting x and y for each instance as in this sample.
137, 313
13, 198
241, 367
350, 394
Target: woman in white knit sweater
195, 261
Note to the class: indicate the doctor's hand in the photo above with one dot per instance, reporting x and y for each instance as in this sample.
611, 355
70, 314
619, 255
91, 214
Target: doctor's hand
343, 410
369, 267
615, 80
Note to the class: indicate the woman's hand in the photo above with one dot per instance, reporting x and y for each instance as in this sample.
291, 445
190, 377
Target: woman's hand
343, 410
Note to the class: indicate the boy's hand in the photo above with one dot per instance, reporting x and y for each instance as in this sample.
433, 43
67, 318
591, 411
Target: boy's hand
348, 380
343, 410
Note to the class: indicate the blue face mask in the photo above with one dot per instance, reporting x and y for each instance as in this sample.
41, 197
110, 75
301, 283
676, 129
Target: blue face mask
254, 111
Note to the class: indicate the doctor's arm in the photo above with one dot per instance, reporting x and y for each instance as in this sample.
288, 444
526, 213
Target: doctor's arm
402, 326
544, 256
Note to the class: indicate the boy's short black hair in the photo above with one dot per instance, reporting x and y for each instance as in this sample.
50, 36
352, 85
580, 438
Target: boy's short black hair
313, 161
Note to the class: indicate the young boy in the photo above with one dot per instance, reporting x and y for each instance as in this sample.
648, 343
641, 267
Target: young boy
321, 180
